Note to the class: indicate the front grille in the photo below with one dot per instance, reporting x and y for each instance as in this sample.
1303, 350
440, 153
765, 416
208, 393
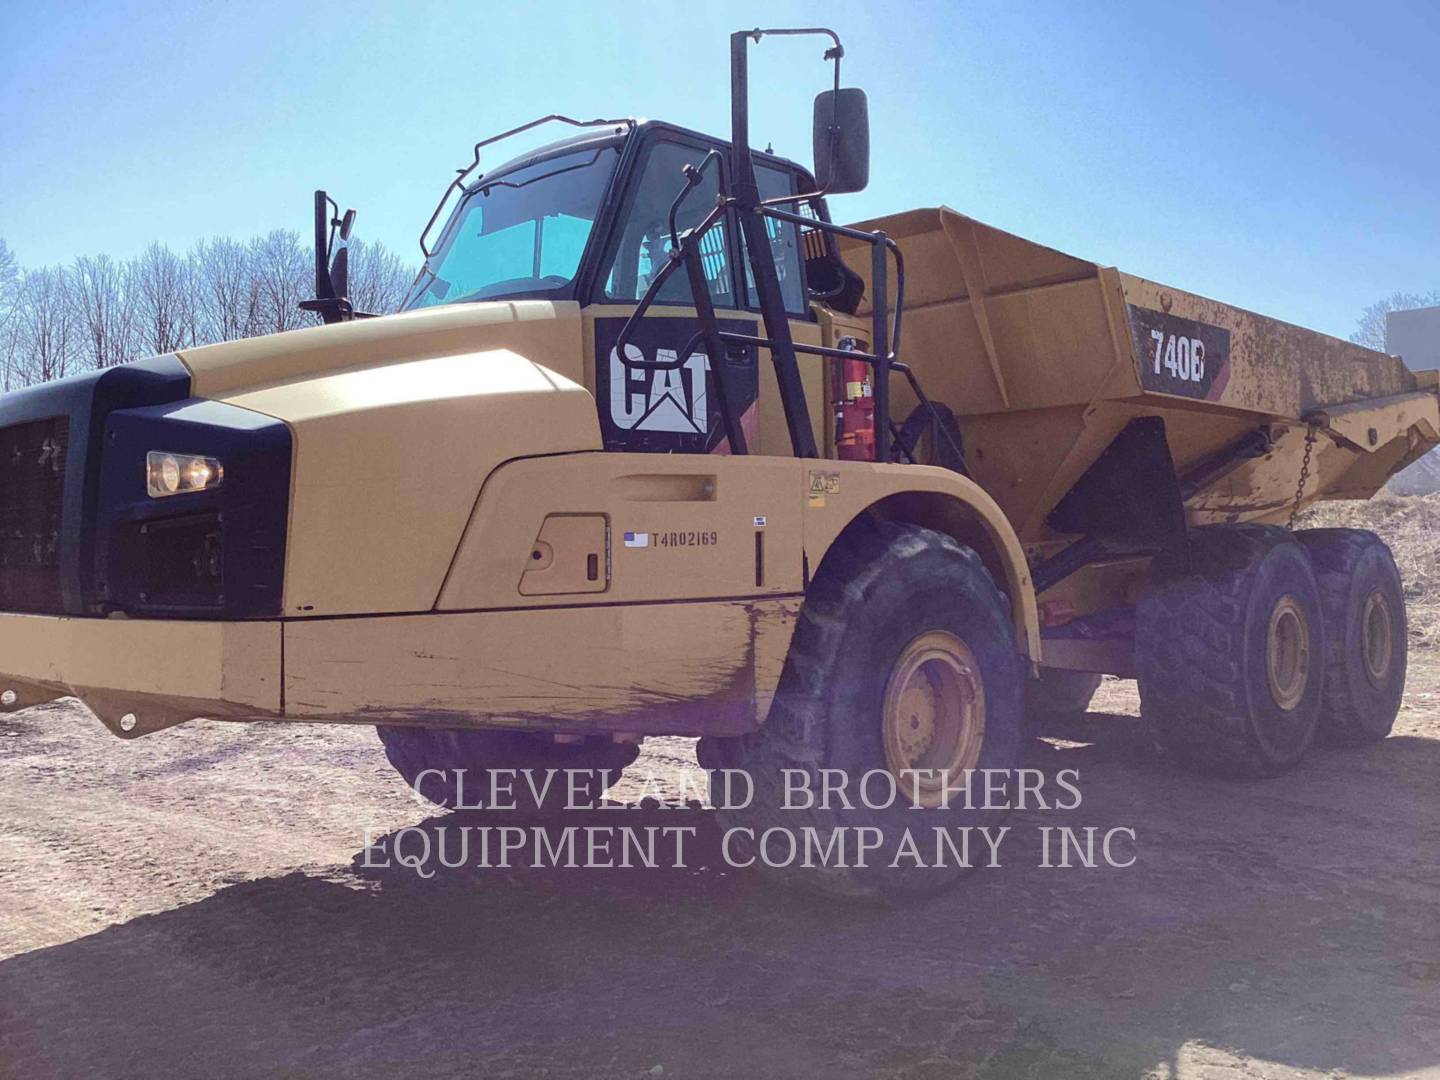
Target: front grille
32, 487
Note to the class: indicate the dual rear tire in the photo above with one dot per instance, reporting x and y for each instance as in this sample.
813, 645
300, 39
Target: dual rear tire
1256, 640
1366, 634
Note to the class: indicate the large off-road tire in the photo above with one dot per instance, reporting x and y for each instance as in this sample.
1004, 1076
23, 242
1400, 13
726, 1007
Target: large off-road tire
451, 766
903, 658
1365, 634
1058, 697
1229, 651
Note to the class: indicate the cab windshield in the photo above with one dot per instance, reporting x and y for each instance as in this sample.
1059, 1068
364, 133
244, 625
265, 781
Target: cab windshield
519, 233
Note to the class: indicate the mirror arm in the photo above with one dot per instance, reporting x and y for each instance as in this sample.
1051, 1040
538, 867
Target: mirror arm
324, 238
746, 198
834, 53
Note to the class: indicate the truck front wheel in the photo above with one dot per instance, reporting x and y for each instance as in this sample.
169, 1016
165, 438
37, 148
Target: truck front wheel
902, 677
461, 768
1229, 650
1365, 634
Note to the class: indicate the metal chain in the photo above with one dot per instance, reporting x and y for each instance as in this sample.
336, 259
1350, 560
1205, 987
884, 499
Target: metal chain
1304, 475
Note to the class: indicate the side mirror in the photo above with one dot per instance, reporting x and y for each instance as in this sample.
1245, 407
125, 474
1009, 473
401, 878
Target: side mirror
842, 140
340, 256
332, 262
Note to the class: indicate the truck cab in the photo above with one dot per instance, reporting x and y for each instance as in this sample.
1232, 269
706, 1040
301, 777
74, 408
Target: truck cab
587, 220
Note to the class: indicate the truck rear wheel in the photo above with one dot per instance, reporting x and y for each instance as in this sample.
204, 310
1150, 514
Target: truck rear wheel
1365, 634
1058, 697
902, 675
451, 767
1229, 651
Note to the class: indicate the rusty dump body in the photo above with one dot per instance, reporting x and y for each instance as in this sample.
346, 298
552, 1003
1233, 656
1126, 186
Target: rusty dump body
1046, 358
1053, 365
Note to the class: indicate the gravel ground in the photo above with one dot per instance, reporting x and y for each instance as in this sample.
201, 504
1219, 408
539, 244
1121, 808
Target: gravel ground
197, 903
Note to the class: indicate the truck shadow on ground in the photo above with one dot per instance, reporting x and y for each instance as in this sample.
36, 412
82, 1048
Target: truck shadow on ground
1290, 921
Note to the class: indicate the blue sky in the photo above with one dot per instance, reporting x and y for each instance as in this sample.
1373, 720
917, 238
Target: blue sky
1285, 157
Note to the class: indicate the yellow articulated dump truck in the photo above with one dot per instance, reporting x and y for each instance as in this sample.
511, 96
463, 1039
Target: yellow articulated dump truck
655, 447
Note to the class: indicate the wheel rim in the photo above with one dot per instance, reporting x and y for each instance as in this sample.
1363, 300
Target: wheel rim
1288, 652
934, 716
1377, 641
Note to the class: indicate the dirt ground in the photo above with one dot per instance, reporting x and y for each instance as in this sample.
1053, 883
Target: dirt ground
196, 904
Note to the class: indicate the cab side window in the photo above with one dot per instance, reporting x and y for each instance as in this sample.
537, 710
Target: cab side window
784, 243
643, 245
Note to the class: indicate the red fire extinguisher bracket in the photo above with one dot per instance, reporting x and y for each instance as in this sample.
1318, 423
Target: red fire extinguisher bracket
853, 395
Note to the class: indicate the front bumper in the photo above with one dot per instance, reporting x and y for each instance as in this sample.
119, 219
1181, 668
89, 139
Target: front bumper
702, 668
156, 673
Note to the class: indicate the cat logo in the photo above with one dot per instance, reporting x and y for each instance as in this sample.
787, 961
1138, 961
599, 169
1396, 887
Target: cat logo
661, 396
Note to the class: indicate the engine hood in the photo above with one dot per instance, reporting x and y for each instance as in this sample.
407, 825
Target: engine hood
397, 423
543, 331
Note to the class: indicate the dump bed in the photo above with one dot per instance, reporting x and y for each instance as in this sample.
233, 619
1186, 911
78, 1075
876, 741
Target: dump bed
1046, 358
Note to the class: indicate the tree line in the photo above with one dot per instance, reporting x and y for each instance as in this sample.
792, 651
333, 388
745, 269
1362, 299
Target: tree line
1370, 330
99, 311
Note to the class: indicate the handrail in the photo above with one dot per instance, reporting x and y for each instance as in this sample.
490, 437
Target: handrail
463, 172
685, 249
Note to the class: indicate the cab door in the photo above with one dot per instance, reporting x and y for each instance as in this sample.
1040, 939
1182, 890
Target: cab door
648, 400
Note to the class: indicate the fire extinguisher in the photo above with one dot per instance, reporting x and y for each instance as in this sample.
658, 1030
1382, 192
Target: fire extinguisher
853, 394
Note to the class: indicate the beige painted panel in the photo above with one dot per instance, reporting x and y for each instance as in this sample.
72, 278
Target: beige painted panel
547, 332
234, 663
694, 518
389, 461
1005, 262
813, 376
660, 668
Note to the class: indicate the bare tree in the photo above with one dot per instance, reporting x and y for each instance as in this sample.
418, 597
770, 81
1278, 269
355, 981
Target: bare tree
282, 267
9, 357
43, 347
1370, 330
105, 310
379, 279
102, 312
9, 298
159, 281
227, 289
9, 281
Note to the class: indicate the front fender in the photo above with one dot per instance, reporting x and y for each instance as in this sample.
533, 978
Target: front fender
838, 492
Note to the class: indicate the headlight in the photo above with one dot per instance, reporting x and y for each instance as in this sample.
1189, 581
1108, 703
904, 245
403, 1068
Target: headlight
176, 474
